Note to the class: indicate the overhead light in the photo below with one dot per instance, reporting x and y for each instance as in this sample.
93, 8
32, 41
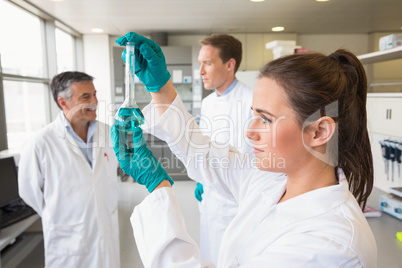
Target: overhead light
257, 0
322, 0
97, 30
278, 29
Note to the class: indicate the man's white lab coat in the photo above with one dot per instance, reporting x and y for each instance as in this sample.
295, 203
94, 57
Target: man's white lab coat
225, 119
77, 203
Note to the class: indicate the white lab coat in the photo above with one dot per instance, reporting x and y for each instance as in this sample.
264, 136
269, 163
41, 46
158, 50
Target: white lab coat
77, 203
225, 119
321, 228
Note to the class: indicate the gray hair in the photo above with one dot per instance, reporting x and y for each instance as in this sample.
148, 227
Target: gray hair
61, 84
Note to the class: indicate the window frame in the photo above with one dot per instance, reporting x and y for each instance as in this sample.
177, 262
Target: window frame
48, 26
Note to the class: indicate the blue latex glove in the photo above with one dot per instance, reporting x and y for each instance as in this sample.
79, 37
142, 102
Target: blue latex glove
140, 162
199, 191
150, 63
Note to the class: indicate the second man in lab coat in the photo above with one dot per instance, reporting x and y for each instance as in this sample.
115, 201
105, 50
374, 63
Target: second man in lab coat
225, 116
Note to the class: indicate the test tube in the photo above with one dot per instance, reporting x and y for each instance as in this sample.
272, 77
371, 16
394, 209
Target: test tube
130, 70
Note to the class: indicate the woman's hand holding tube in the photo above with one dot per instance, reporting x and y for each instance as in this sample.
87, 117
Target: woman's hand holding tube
150, 63
140, 162
150, 67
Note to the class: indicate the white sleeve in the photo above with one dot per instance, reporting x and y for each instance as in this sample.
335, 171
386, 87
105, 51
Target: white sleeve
30, 178
160, 233
220, 166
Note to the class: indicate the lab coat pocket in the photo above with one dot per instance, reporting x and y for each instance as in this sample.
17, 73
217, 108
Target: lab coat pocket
65, 240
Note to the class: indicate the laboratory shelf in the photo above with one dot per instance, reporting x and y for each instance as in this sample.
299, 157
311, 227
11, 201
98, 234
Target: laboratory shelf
383, 55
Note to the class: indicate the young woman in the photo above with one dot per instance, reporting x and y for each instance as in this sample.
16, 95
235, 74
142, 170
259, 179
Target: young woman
310, 124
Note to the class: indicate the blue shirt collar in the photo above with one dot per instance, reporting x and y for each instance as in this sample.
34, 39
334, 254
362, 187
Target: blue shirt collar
85, 147
230, 88
91, 130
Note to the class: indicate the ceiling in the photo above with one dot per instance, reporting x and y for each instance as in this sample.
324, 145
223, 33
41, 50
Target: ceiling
117, 17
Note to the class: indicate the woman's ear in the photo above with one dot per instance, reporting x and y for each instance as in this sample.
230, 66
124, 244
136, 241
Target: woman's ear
324, 130
317, 136
319, 132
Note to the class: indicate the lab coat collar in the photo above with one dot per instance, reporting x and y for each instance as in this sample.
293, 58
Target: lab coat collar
99, 138
61, 125
91, 131
298, 208
229, 89
65, 126
302, 207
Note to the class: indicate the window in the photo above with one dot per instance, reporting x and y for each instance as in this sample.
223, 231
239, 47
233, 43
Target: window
24, 75
21, 47
25, 110
65, 51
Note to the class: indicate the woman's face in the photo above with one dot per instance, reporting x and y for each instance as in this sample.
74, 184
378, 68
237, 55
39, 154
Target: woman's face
275, 131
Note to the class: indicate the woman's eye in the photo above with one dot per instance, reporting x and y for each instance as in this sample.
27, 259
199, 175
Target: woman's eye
265, 120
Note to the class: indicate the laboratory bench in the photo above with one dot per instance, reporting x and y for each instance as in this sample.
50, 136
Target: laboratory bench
16, 243
385, 227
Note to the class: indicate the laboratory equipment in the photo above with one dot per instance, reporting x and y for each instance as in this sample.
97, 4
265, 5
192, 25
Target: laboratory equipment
391, 153
398, 154
12, 208
129, 115
8, 182
391, 204
392, 149
396, 191
385, 155
399, 236
381, 129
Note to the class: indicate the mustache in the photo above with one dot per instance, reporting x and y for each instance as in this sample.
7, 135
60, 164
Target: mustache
81, 107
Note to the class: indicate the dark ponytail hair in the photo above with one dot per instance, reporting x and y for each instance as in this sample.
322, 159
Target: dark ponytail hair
313, 82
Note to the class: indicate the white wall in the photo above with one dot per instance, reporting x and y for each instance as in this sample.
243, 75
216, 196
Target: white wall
328, 43
254, 52
185, 40
97, 63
